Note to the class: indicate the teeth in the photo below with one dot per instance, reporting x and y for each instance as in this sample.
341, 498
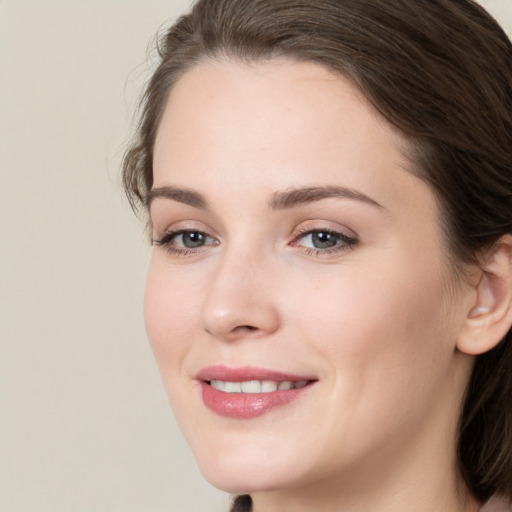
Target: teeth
233, 387
252, 386
218, 384
267, 386
256, 386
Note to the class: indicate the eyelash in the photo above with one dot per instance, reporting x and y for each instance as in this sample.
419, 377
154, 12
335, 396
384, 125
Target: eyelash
344, 241
167, 238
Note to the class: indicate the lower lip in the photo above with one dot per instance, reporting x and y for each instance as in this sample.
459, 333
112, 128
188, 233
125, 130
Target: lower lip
246, 405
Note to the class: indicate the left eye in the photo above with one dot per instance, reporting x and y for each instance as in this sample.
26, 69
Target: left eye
325, 239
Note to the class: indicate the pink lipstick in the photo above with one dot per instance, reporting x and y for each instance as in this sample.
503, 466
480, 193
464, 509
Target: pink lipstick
249, 392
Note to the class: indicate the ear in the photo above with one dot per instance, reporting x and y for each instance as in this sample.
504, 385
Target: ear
490, 317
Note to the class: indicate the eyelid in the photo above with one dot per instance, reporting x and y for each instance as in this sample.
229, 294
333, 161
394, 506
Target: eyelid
323, 225
166, 238
347, 241
344, 238
172, 224
173, 233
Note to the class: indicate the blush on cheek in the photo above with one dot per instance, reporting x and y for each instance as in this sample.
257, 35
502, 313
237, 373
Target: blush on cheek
160, 312
152, 313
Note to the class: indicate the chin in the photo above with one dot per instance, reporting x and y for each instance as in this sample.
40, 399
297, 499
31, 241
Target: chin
244, 472
235, 482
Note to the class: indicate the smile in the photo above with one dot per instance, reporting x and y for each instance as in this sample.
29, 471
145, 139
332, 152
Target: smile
247, 392
256, 386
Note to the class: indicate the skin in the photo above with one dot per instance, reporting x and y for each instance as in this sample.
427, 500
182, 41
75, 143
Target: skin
376, 321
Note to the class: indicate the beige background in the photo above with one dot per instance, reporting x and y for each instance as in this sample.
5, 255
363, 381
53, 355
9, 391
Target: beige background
84, 423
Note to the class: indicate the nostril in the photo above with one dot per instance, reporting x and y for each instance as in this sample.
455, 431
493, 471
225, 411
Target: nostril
233, 317
244, 329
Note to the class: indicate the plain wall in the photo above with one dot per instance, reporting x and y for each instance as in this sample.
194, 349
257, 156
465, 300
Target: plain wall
84, 422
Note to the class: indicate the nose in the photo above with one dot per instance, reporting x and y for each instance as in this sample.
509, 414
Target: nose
241, 299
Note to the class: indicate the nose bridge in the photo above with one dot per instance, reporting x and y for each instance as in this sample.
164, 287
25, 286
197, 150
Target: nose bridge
239, 301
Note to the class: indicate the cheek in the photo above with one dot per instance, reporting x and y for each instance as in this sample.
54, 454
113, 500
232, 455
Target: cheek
384, 332
384, 344
346, 307
169, 314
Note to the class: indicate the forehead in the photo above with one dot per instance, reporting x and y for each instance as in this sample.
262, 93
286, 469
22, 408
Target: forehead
233, 130
284, 112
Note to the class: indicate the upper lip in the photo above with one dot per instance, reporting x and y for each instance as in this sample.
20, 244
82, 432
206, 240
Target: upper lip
247, 373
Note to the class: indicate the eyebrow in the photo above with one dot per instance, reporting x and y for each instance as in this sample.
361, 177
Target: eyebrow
280, 200
304, 195
181, 195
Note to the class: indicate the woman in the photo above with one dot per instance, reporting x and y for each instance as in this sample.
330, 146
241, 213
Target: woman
329, 295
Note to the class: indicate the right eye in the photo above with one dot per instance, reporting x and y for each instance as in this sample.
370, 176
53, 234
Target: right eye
184, 241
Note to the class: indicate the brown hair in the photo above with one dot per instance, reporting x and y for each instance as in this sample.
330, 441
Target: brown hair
439, 71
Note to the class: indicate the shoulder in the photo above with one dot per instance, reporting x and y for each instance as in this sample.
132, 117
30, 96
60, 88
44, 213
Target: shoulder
497, 504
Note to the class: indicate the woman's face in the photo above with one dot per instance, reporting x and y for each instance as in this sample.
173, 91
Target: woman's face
295, 253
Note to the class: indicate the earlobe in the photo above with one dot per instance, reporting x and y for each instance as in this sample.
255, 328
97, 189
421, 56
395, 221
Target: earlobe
490, 317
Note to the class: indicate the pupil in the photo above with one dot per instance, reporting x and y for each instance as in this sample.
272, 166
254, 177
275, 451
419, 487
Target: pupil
323, 240
193, 240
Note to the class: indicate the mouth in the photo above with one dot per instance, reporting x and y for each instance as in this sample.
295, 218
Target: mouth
245, 393
257, 386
